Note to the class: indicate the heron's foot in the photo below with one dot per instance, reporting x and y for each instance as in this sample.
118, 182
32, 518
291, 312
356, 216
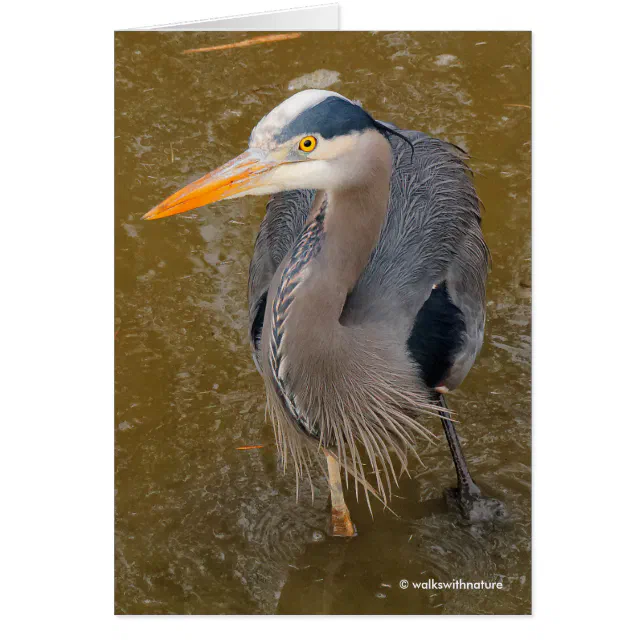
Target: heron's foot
474, 506
341, 524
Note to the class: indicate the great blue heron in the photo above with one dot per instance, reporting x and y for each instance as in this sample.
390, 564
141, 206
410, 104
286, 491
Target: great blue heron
366, 288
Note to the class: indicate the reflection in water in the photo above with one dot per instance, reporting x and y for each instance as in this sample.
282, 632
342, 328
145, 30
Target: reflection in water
204, 528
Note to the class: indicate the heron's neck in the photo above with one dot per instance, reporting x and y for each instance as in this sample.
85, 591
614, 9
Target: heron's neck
330, 254
351, 229
324, 265
342, 230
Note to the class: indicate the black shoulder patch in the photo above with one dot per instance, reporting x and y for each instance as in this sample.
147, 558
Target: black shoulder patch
437, 336
334, 116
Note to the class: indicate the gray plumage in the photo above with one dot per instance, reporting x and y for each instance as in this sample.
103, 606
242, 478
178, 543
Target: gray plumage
431, 235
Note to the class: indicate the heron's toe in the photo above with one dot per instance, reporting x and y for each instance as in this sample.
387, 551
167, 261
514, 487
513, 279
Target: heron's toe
341, 524
476, 508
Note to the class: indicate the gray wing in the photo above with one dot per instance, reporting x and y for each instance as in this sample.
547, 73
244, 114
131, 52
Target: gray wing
431, 238
286, 214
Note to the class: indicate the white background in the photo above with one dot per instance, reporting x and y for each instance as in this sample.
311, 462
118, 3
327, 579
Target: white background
57, 278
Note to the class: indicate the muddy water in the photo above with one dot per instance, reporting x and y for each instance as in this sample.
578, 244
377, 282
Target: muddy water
202, 527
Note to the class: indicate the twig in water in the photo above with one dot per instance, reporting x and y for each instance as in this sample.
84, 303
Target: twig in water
245, 43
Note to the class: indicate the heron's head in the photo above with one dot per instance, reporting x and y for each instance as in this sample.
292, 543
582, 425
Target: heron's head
315, 139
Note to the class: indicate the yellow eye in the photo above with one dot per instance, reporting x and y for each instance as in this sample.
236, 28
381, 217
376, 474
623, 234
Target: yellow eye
308, 143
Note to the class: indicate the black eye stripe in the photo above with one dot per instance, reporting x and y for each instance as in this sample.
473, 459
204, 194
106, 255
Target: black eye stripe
332, 117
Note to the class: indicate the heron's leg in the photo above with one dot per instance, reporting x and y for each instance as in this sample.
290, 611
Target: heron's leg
466, 484
341, 524
471, 502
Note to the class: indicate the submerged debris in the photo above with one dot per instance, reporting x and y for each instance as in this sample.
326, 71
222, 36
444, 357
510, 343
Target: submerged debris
445, 59
319, 79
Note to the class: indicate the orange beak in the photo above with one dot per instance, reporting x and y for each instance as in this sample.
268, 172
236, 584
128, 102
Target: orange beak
234, 178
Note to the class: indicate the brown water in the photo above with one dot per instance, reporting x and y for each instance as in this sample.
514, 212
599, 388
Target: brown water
204, 528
